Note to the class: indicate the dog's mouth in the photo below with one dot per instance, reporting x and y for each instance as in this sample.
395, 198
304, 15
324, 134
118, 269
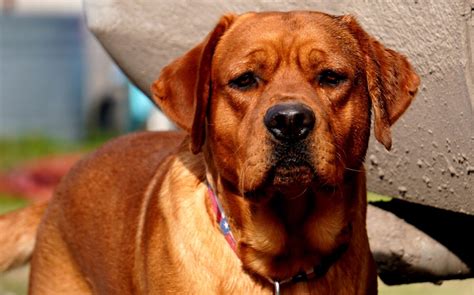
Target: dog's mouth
292, 167
290, 174
284, 175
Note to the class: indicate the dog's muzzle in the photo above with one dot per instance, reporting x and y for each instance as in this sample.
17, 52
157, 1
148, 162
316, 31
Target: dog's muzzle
289, 125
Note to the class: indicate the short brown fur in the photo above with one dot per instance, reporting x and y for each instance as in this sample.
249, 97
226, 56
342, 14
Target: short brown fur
135, 217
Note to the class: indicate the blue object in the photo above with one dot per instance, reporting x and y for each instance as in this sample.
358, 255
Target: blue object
140, 106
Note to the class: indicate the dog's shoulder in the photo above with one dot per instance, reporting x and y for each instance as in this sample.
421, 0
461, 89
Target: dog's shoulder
115, 177
140, 148
131, 154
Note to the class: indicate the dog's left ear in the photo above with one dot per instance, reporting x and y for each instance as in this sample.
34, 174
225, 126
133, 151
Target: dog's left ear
391, 81
183, 88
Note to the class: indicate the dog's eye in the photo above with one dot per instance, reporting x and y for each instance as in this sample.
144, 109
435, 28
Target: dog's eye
245, 81
330, 78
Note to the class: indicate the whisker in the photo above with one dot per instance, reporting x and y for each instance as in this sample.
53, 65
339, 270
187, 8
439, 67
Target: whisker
238, 149
299, 195
351, 169
243, 175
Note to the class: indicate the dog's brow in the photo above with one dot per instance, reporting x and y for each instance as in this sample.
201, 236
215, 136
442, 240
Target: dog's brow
242, 67
256, 53
320, 58
253, 60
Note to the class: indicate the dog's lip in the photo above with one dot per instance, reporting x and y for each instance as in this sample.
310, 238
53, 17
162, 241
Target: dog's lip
292, 174
284, 177
267, 187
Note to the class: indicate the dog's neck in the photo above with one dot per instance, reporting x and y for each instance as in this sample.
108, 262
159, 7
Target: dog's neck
286, 238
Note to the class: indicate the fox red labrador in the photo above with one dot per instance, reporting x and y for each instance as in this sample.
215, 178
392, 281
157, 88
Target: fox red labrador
264, 192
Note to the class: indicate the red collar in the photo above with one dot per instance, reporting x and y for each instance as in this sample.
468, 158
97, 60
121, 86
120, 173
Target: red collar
222, 219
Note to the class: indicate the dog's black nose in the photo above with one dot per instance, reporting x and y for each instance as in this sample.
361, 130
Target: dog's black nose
289, 121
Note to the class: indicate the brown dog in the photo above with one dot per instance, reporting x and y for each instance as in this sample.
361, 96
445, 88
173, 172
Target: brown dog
281, 105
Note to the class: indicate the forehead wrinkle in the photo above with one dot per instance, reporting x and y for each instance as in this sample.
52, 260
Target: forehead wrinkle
236, 60
254, 53
331, 47
321, 58
259, 47
254, 57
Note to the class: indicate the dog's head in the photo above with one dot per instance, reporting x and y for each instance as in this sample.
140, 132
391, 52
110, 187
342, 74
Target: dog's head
283, 100
280, 104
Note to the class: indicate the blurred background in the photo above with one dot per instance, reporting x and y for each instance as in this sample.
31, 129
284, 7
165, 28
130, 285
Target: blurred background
61, 96
59, 93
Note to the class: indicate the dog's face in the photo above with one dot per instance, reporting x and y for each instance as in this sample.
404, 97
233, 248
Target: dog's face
281, 106
282, 100
289, 103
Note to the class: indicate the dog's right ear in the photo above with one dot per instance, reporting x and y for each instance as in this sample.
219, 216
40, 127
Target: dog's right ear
182, 90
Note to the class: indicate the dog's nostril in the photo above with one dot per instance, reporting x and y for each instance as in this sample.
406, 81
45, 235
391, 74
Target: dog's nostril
300, 119
289, 121
277, 121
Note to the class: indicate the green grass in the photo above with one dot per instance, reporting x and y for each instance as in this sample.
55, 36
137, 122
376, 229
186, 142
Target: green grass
17, 150
14, 151
373, 198
9, 203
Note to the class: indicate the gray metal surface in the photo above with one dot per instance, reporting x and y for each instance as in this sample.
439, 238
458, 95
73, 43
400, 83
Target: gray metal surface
414, 243
432, 160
